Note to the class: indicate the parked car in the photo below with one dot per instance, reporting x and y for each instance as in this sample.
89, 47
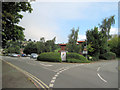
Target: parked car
28, 55
23, 55
34, 55
15, 55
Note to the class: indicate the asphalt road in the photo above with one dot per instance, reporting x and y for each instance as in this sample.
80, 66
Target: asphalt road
103, 74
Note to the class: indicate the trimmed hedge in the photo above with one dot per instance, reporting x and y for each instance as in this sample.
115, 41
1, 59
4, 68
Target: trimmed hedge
50, 56
72, 60
108, 56
76, 58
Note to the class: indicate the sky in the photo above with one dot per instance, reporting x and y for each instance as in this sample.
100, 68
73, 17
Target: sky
56, 19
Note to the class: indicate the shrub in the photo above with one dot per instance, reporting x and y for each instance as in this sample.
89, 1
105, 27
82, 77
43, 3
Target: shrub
72, 60
108, 56
94, 59
49, 56
76, 58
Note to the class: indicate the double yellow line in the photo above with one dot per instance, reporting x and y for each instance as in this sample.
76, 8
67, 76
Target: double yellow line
35, 79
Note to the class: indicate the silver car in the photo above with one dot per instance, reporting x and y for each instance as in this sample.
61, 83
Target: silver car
34, 56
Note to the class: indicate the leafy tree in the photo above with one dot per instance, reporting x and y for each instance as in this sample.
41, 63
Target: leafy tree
41, 45
105, 30
72, 42
10, 18
50, 45
14, 49
94, 41
106, 25
114, 44
30, 48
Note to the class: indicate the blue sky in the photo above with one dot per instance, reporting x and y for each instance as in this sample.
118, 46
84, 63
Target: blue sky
50, 19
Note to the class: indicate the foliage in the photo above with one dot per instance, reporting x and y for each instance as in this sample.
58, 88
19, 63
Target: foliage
108, 56
50, 56
30, 48
90, 48
106, 26
114, 44
93, 40
73, 60
75, 56
50, 45
72, 46
97, 40
10, 18
14, 49
41, 45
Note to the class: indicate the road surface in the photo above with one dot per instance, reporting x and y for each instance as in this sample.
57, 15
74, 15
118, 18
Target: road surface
103, 74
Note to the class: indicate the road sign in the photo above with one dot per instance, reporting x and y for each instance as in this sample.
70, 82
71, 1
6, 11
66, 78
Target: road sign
85, 52
63, 55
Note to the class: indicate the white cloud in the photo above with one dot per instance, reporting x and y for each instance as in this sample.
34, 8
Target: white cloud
81, 37
113, 31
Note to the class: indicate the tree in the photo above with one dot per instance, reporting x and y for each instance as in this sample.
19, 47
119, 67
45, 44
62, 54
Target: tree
10, 18
14, 49
72, 42
94, 41
114, 44
105, 29
50, 45
30, 48
41, 45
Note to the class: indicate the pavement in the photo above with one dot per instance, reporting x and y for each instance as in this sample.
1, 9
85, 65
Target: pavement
13, 78
103, 74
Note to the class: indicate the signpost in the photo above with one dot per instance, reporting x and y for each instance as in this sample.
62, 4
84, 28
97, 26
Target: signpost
63, 55
85, 51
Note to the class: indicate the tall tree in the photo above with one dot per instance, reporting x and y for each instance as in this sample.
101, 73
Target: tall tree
10, 18
30, 48
72, 42
106, 25
105, 29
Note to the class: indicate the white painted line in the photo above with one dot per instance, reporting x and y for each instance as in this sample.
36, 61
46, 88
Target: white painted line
98, 69
60, 71
51, 85
56, 75
45, 65
54, 78
101, 77
52, 81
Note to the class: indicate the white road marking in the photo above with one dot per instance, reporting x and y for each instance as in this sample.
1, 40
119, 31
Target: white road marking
54, 78
51, 85
98, 69
45, 64
52, 81
60, 70
56, 75
101, 77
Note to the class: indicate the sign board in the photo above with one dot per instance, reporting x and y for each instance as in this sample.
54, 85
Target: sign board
63, 55
85, 52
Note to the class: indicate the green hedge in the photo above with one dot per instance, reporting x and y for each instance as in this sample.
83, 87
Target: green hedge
108, 56
76, 58
72, 60
49, 56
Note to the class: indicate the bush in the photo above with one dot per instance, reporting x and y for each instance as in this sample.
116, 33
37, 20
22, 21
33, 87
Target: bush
95, 59
72, 60
76, 58
108, 56
50, 56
